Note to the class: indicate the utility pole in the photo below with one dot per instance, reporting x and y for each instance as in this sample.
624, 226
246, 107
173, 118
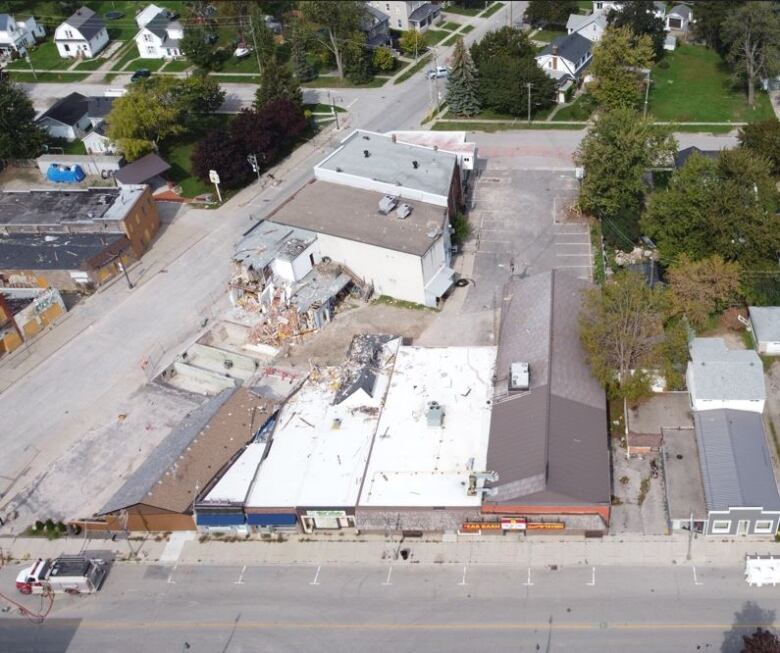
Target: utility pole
529, 85
254, 41
333, 108
647, 92
252, 160
29, 61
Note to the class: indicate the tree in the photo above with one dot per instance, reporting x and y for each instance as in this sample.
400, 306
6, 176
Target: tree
198, 95
764, 139
358, 63
550, 12
262, 36
504, 42
639, 16
462, 82
761, 641
617, 60
302, 67
615, 153
503, 84
621, 329
701, 288
724, 207
196, 47
752, 32
339, 21
20, 137
708, 27
412, 42
383, 59
221, 152
147, 114
276, 81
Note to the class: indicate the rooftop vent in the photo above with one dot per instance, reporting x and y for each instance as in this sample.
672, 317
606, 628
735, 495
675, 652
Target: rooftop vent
366, 137
434, 414
387, 204
519, 376
403, 211
415, 164
366, 154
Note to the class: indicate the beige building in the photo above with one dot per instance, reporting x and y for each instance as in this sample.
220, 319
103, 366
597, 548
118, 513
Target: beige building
408, 15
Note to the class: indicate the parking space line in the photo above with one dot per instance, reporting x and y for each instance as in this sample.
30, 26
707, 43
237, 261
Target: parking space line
592, 581
696, 581
528, 583
389, 574
170, 576
316, 576
463, 580
240, 580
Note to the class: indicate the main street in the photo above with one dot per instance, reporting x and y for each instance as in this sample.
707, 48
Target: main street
399, 607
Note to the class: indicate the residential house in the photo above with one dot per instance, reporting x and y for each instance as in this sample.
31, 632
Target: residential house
765, 322
97, 141
25, 312
17, 35
376, 27
67, 118
565, 60
723, 378
679, 19
82, 35
159, 37
605, 6
145, 16
415, 14
549, 443
683, 155
591, 26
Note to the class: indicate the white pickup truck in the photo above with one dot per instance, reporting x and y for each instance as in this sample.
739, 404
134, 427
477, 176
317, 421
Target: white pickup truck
66, 574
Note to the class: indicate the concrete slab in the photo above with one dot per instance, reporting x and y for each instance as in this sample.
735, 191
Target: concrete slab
684, 487
663, 410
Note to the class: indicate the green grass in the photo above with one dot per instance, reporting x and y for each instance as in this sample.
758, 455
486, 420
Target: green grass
74, 147
461, 11
244, 65
585, 6
450, 26
490, 114
90, 64
491, 127
322, 108
467, 29
401, 303
703, 129
179, 156
580, 109
547, 35
43, 57
451, 40
434, 36
176, 66
127, 56
337, 82
148, 64
413, 69
492, 9
693, 84
247, 79
22, 76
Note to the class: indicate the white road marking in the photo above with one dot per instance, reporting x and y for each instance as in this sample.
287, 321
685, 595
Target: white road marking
170, 576
240, 580
696, 581
316, 576
349, 106
463, 580
592, 581
528, 583
389, 574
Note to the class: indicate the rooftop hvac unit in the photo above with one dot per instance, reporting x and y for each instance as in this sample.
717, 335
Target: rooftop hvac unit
434, 414
403, 211
387, 204
519, 376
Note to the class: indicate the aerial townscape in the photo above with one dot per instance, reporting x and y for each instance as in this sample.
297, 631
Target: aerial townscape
345, 325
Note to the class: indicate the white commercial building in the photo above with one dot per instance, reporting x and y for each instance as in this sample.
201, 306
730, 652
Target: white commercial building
83, 35
723, 378
427, 465
450, 142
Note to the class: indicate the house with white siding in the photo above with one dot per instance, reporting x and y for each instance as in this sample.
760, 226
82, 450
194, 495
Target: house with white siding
159, 37
18, 35
82, 35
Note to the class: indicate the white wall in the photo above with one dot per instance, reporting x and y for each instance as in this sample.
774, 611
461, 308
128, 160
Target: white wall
344, 179
770, 347
71, 44
392, 273
756, 406
298, 268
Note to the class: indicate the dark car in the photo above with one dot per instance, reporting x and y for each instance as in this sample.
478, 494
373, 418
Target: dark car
141, 73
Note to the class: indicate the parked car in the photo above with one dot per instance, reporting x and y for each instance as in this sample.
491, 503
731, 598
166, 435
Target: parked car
141, 73
242, 51
438, 72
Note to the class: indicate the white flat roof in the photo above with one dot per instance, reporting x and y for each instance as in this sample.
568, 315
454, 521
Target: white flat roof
413, 464
234, 484
319, 451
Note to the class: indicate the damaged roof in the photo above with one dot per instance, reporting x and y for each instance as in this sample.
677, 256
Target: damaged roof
549, 444
57, 251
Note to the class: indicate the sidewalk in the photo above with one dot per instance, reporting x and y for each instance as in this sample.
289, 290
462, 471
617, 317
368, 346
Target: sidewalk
347, 549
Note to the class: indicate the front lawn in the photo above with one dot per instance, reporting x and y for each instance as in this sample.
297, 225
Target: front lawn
451, 40
450, 26
692, 84
179, 156
433, 36
177, 66
27, 76
580, 109
90, 64
467, 29
492, 9
547, 35
43, 57
454, 9
413, 69
336, 82
147, 64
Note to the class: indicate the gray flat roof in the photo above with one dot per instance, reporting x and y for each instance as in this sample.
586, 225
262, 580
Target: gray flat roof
54, 251
723, 373
549, 444
735, 463
766, 322
142, 170
353, 214
392, 163
54, 207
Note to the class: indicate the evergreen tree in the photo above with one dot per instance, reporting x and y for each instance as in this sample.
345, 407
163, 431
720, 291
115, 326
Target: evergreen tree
277, 82
20, 136
302, 67
463, 83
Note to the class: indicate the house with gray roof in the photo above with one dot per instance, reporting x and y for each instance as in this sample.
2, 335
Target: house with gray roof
548, 431
765, 322
82, 35
723, 378
159, 37
679, 18
18, 35
591, 26
740, 489
408, 14
376, 27
565, 60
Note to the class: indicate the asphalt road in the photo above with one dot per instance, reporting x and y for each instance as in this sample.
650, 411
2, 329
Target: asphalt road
400, 608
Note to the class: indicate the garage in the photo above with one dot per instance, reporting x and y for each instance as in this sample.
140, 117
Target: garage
765, 323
